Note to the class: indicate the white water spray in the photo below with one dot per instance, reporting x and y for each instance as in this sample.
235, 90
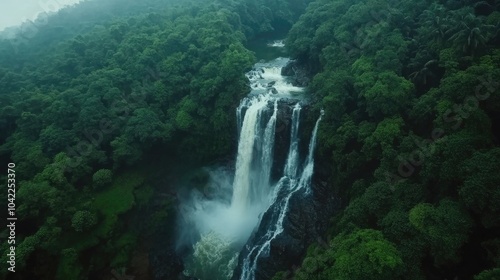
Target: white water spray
277, 44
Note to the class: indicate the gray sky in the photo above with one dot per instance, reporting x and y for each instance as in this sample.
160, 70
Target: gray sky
14, 12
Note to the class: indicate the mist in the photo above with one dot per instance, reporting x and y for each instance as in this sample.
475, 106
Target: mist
211, 228
14, 13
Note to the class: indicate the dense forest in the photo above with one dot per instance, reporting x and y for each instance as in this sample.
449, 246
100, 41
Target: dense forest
412, 140
106, 105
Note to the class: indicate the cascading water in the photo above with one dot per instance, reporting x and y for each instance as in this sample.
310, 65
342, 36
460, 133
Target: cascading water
225, 223
267, 156
281, 207
293, 154
277, 44
244, 192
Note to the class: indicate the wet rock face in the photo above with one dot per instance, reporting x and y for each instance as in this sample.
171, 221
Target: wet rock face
165, 260
298, 74
166, 263
306, 222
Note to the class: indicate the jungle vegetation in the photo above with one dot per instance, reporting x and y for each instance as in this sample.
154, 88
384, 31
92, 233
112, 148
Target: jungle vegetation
100, 97
95, 100
411, 137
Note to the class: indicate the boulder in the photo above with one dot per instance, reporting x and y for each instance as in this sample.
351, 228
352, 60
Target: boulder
288, 70
298, 74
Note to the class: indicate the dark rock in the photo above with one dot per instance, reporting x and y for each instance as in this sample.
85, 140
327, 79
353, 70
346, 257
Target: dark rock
273, 90
282, 132
164, 257
290, 102
306, 222
166, 263
270, 84
288, 70
301, 79
298, 74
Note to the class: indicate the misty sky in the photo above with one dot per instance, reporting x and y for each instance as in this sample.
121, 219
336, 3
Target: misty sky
14, 12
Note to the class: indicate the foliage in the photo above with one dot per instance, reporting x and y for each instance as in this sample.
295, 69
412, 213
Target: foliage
115, 200
69, 267
410, 132
83, 220
364, 254
447, 228
410, 136
102, 178
100, 88
488, 274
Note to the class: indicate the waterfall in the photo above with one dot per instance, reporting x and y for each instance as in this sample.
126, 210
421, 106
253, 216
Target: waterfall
264, 245
223, 223
262, 188
306, 177
251, 129
239, 112
293, 154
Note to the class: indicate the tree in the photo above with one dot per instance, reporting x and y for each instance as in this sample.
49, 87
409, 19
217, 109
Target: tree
92, 113
101, 178
234, 61
389, 95
55, 139
124, 151
83, 220
488, 274
421, 75
38, 199
446, 227
145, 127
480, 191
363, 254
29, 124
434, 24
469, 32
384, 138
